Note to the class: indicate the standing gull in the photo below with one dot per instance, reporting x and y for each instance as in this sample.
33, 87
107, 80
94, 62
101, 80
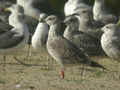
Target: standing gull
87, 24
72, 5
90, 44
40, 35
14, 39
62, 50
110, 41
31, 17
100, 14
31, 14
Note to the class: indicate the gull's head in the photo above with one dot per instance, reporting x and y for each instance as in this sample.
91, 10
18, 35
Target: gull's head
85, 12
110, 27
42, 17
15, 8
71, 19
85, 15
52, 19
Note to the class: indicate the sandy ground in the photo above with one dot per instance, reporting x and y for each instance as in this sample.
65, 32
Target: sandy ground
41, 72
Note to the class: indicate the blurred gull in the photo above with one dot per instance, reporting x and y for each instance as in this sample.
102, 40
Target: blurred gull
31, 17
62, 50
14, 39
90, 44
101, 14
29, 10
72, 5
110, 41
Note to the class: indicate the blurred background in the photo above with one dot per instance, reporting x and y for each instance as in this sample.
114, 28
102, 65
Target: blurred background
56, 6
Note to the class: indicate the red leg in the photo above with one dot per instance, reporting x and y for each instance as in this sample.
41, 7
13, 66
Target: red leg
62, 74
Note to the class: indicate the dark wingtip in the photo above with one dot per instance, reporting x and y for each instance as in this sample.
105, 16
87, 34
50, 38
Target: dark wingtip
95, 64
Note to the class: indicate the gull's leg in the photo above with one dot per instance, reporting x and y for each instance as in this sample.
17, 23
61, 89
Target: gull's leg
82, 71
49, 63
4, 63
62, 73
29, 53
4, 70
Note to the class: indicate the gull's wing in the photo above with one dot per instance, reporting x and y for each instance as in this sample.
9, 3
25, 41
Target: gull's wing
4, 27
10, 39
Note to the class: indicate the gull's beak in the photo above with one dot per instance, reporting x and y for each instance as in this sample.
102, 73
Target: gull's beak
35, 18
41, 20
103, 29
7, 9
118, 23
46, 19
66, 19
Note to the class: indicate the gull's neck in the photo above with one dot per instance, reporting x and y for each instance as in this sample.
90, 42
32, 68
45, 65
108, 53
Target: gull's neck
85, 23
54, 30
15, 20
70, 29
98, 7
99, 4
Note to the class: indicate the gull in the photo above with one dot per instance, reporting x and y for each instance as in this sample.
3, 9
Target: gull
100, 13
14, 39
40, 35
88, 24
4, 15
62, 50
29, 10
90, 44
110, 41
31, 17
72, 5
31, 14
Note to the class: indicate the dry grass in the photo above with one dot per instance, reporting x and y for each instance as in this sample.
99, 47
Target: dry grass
42, 73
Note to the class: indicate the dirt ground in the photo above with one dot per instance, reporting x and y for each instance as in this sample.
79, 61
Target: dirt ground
41, 72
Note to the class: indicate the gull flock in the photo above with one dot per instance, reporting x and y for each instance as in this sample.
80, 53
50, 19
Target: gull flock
89, 31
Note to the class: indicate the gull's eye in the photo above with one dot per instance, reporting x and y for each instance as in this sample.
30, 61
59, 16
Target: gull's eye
84, 11
50, 18
107, 27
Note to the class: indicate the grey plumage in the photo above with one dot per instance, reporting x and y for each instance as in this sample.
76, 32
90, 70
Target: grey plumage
90, 44
61, 49
11, 40
4, 27
19, 32
110, 40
